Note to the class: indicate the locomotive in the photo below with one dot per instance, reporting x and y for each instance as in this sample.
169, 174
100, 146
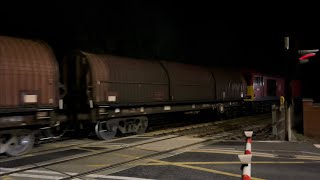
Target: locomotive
263, 90
108, 93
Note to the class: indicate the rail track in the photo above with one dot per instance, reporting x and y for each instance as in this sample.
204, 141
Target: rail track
212, 128
18, 168
195, 130
207, 132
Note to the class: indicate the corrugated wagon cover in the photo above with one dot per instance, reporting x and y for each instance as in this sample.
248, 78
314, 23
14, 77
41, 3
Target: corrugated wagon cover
127, 80
28, 74
190, 82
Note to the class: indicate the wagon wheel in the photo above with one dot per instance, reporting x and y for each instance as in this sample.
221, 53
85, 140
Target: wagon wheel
106, 130
20, 144
143, 126
221, 112
221, 116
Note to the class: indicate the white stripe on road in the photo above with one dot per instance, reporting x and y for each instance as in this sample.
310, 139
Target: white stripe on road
271, 141
36, 176
8, 169
43, 172
50, 172
115, 177
317, 145
38, 171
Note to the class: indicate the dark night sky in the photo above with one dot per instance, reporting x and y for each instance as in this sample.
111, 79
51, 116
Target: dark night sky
194, 32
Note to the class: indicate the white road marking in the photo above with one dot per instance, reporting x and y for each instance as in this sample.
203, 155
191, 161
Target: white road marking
270, 141
50, 172
317, 145
115, 177
42, 174
36, 176
8, 169
38, 171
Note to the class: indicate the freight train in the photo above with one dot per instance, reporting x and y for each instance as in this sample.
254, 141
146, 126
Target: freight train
109, 93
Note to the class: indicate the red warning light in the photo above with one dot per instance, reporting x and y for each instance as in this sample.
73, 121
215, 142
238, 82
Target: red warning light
307, 56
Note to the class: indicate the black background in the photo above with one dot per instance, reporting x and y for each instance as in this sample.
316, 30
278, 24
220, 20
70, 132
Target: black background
198, 32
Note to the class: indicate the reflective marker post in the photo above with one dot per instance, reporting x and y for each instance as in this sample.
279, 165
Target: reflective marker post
246, 158
248, 135
245, 166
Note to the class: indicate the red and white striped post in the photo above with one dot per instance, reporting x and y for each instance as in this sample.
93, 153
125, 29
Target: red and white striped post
248, 135
246, 166
246, 158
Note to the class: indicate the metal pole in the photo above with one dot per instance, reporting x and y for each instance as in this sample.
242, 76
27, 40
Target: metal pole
288, 115
275, 117
287, 89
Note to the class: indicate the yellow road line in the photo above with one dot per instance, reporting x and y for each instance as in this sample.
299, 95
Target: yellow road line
91, 150
126, 156
98, 165
223, 163
190, 167
218, 149
28, 155
129, 156
210, 170
308, 158
233, 153
279, 162
204, 169
7, 178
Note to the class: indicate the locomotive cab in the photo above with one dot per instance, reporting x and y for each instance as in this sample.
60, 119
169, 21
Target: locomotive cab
263, 91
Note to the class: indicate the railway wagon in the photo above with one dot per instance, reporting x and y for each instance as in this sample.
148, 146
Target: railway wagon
118, 94
231, 89
28, 92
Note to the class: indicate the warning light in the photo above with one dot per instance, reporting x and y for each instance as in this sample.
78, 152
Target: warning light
307, 54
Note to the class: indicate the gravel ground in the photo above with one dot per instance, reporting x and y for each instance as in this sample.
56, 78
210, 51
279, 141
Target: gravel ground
266, 134
302, 138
